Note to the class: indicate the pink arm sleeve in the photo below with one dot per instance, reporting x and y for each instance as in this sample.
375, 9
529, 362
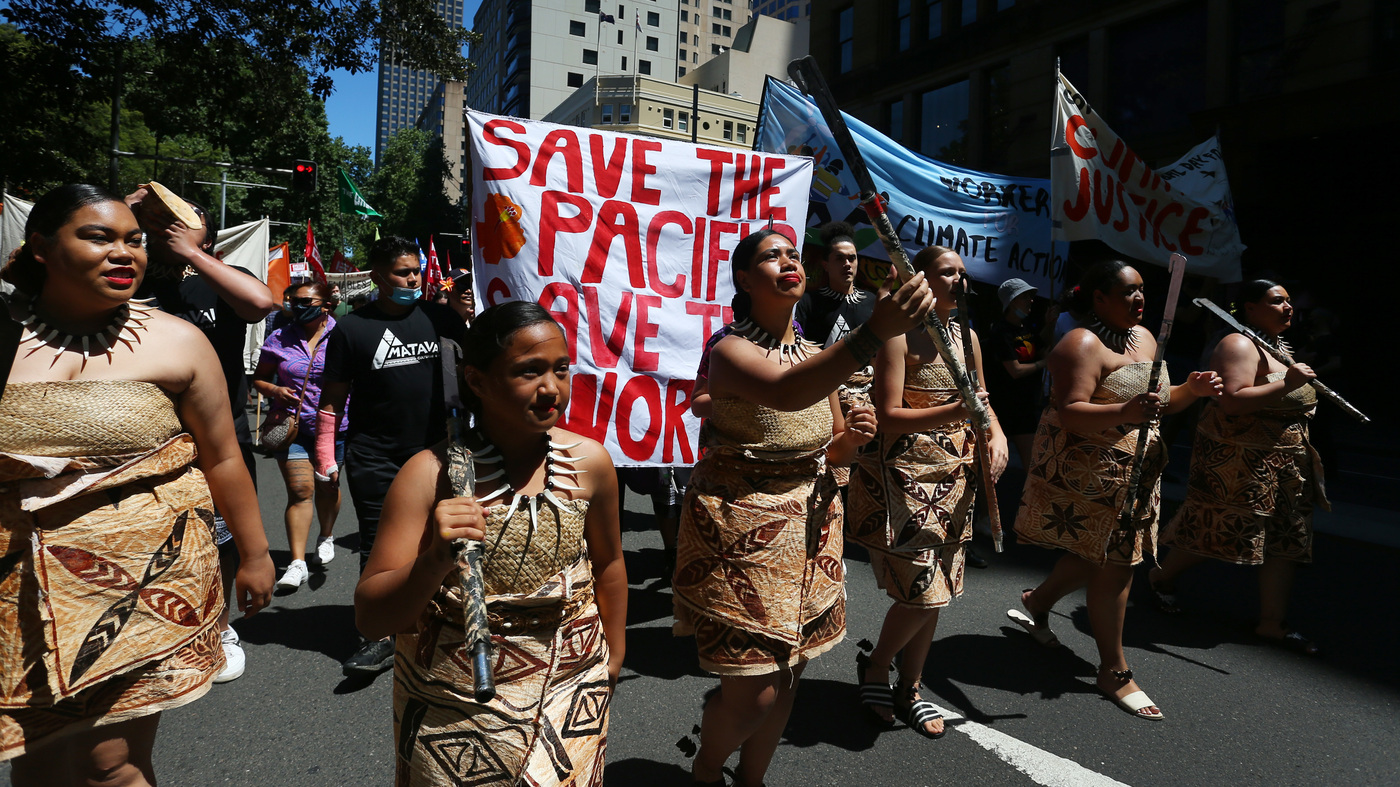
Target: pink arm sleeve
326, 428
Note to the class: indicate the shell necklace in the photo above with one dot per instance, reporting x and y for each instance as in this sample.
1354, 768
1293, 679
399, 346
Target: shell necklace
490, 455
856, 295
129, 318
789, 353
1116, 340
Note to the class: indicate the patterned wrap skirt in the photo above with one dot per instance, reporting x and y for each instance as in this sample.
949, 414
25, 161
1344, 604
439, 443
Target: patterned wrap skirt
910, 504
759, 580
109, 577
1078, 483
1255, 480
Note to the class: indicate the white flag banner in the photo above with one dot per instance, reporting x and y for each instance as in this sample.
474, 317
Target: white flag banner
245, 246
1201, 174
626, 241
1103, 190
13, 215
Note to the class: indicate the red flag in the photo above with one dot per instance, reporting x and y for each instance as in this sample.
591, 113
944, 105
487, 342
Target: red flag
432, 277
313, 255
341, 265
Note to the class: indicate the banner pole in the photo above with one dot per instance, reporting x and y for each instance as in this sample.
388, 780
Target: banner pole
1051, 256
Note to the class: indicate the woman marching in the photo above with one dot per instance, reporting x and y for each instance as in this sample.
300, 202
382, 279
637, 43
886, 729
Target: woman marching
759, 580
1255, 478
545, 507
1081, 461
296, 355
116, 444
911, 501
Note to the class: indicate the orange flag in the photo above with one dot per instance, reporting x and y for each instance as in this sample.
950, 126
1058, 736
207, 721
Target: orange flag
279, 269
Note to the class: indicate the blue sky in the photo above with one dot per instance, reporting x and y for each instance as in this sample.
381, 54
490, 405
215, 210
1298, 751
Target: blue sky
350, 109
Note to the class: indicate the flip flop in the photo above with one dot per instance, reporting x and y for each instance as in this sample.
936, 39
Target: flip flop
1041, 634
1293, 641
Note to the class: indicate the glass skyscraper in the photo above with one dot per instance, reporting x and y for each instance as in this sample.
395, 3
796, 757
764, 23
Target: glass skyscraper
404, 91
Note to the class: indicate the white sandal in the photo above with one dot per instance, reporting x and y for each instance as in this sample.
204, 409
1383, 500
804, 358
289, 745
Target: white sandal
1135, 703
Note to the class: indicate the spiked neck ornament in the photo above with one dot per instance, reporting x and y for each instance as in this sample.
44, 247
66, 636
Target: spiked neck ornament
856, 295
554, 456
127, 321
788, 353
1116, 340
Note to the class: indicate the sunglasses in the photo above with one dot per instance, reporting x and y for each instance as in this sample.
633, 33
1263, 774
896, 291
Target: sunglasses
304, 302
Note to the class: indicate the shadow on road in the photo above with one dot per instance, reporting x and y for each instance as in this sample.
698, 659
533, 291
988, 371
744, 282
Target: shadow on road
828, 712
1012, 662
328, 629
629, 773
655, 652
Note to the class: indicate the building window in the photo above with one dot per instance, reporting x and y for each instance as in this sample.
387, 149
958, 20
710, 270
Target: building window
729, 129
590, 57
714, 29
715, 49
578, 29
668, 118
607, 113
903, 24
685, 16
997, 150
624, 62
726, 31
1164, 53
575, 80
845, 39
643, 66
683, 123
714, 11
728, 15
620, 14
935, 19
969, 11
624, 113
743, 133
683, 56
619, 37
593, 6
653, 19
695, 39
681, 73
653, 44
943, 119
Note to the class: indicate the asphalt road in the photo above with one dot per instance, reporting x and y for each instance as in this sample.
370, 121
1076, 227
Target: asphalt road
1238, 712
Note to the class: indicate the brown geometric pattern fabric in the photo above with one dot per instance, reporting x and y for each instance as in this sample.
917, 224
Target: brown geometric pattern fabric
1078, 483
910, 499
758, 557
1254, 482
855, 391
548, 723
109, 578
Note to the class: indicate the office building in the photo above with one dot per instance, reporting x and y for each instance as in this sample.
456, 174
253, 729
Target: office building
791, 10
762, 47
706, 29
404, 91
659, 108
535, 53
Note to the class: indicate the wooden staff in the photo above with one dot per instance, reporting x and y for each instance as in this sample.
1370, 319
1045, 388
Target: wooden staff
1138, 492
1280, 356
984, 436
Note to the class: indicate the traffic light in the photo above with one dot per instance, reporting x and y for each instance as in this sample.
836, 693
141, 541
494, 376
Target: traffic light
304, 176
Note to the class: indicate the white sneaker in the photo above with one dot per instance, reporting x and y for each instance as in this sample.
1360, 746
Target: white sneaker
295, 576
325, 549
234, 660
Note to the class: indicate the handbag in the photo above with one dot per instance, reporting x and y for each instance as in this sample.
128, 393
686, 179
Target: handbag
278, 430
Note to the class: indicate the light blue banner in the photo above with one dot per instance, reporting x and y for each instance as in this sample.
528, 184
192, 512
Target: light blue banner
999, 225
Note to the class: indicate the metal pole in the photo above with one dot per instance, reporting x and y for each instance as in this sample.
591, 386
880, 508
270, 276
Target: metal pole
223, 199
112, 173
694, 112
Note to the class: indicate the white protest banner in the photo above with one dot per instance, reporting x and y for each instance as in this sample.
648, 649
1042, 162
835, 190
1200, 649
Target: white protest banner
1201, 174
245, 246
1103, 190
626, 241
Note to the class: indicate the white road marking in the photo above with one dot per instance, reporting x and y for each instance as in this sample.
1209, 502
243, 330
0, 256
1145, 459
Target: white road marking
1041, 766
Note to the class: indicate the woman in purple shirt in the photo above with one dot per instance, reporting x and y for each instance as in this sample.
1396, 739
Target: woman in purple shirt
288, 356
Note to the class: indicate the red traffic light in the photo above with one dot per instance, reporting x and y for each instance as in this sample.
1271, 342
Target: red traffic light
304, 176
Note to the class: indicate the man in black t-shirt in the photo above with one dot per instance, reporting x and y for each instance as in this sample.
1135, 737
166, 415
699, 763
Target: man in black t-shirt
388, 353
184, 278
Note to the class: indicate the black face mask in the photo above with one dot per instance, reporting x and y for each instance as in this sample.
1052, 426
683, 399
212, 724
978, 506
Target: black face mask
305, 314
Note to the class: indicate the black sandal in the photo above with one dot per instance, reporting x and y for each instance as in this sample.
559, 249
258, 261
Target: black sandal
1293, 641
874, 695
919, 713
1163, 600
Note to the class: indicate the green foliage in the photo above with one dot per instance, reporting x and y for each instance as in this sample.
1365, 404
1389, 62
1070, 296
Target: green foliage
313, 36
407, 188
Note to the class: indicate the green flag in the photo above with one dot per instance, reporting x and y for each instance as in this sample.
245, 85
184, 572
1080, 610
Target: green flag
350, 199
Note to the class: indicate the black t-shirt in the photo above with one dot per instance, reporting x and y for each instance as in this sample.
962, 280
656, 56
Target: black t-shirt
194, 301
394, 370
1007, 342
826, 318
